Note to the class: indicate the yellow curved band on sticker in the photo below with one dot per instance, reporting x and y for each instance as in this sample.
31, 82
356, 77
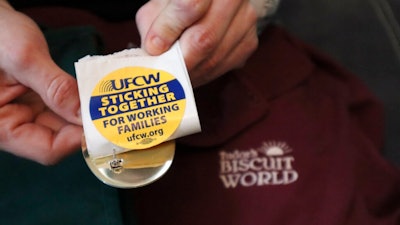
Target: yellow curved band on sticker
137, 107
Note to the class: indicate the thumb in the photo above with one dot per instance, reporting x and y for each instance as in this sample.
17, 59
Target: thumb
58, 89
169, 23
24, 56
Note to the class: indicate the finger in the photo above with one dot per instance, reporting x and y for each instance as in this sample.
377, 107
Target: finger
238, 56
29, 62
11, 92
50, 120
44, 145
202, 38
237, 44
235, 59
57, 89
146, 15
10, 89
40, 143
171, 22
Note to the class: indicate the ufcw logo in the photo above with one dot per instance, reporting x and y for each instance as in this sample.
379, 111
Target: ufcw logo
128, 83
270, 164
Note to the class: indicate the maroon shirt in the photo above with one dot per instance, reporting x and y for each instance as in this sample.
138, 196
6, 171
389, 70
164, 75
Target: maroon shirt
291, 138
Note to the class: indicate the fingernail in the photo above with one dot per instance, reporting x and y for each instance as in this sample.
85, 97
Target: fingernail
158, 45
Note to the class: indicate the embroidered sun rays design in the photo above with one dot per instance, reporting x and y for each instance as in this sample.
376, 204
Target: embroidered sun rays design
274, 148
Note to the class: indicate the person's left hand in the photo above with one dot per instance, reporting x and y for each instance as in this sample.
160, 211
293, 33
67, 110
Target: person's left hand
39, 103
215, 35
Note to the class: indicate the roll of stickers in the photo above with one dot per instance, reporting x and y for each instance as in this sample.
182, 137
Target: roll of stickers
133, 107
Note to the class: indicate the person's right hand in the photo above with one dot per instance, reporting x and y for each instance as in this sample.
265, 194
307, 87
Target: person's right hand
39, 104
215, 36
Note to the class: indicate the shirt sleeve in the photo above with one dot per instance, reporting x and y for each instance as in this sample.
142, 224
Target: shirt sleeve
265, 8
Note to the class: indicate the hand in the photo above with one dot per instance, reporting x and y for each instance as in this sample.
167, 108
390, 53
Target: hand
39, 104
215, 35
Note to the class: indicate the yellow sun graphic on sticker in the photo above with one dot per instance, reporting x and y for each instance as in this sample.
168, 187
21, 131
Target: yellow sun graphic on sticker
137, 107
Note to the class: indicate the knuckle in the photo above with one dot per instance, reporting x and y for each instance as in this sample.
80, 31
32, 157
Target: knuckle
205, 74
250, 42
186, 12
204, 41
22, 55
59, 89
252, 15
252, 12
209, 65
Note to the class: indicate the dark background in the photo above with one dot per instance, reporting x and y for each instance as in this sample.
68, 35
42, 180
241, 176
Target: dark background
364, 36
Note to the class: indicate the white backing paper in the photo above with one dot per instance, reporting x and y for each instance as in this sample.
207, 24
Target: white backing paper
91, 69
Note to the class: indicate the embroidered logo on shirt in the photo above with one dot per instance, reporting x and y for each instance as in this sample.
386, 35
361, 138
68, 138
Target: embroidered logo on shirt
269, 164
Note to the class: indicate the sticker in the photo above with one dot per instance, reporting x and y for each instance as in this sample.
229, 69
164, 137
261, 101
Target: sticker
137, 107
